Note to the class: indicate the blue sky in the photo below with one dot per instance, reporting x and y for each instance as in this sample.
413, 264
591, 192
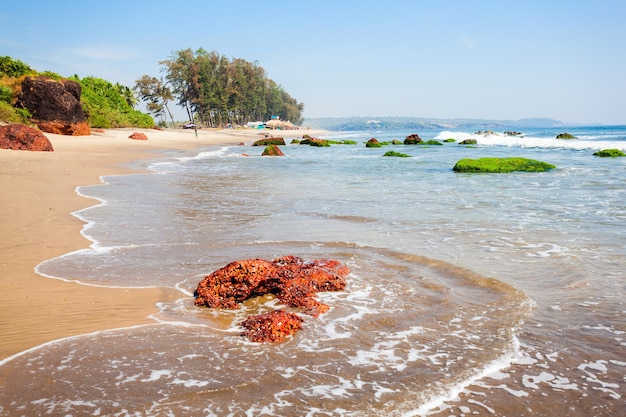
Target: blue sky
445, 59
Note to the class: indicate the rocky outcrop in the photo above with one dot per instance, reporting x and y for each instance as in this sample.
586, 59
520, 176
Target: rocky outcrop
272, 150
138, 136
294, 281
413, 139
21, 137
54, 105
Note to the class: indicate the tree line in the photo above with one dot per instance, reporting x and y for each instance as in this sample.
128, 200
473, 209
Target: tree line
216, 91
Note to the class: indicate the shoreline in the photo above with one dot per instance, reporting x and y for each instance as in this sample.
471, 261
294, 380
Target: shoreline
39, 195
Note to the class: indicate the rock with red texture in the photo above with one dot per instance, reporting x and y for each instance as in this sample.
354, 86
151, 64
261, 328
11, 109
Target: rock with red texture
292, 279
21, 137
138, 136
54, 105
271, 327
235, 283
412, 139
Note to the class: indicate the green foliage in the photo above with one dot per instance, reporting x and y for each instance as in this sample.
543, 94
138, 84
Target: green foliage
609, 153
498, 165
8, 113
396, 154
13, 67
106, 107
6, 94
221, 91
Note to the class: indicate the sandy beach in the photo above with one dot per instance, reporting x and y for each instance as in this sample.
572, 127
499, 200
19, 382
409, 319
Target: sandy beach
38, 197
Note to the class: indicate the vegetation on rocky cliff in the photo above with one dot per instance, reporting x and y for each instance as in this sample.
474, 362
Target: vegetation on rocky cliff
105, 104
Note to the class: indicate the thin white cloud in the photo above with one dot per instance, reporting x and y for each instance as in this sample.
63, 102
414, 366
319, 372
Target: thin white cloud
468, 42
103, 52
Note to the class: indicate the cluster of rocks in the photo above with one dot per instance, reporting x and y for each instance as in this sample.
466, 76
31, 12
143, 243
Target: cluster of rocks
294, 281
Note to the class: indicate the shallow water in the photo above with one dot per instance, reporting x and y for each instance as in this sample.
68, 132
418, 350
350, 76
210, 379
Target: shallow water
469, 293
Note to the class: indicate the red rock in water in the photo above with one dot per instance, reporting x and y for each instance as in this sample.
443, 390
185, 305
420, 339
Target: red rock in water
271, 327
235, 283
293, 280
21, 137
138, 136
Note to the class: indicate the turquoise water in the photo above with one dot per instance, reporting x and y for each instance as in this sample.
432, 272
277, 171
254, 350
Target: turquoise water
469, 292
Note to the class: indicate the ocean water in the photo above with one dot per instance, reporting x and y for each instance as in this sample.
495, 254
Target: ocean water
470, 294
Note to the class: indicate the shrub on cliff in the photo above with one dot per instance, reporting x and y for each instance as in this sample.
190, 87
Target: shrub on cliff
499, 165
106, 106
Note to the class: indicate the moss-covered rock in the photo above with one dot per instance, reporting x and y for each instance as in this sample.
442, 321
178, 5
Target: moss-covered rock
565, 136
468, 142
397, 154
493, 165
269, 141
431, 142
396, 142
341, 142
449, 140
272, 150
609, 153
373, 143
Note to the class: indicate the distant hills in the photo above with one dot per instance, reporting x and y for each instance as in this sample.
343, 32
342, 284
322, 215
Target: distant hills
409, 123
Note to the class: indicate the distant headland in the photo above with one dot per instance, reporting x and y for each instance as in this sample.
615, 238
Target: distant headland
411, 123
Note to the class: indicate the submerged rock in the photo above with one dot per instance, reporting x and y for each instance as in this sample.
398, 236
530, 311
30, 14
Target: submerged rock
609, 153
497, 165
468, 142
21, 137
396, 154
293, 280
272, 326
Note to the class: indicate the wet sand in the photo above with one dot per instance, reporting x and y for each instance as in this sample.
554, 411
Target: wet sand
38, 197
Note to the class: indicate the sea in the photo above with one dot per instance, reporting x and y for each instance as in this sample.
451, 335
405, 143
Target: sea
469, 294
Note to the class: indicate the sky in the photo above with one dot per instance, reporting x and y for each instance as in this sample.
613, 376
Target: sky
504, 60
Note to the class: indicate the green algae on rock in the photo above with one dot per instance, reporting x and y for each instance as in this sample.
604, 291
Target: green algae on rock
609, 153
492, 165
397, 154
565, 136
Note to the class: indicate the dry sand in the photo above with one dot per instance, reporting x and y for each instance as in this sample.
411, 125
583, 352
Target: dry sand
37, 196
